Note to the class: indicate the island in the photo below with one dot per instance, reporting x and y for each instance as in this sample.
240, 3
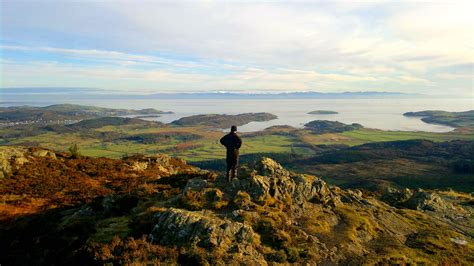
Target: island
222, 120
325, 126
323, 112
452, 119
64, 114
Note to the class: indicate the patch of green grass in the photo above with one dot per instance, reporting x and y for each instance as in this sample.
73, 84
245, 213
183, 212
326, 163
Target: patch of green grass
362, 136
110, 227
208, 147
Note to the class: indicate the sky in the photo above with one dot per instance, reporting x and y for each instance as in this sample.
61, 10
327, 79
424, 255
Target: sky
246, 46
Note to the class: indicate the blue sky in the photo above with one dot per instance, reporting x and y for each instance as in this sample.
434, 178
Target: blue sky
157, 46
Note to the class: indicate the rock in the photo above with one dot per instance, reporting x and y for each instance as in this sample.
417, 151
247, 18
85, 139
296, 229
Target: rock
177, 227
118, 204
139, 166
45, 153
459, 241
418, 200
353, 196
422, 200
195, 184
160, 162
272, 180
75, 216
11, 158
396, 197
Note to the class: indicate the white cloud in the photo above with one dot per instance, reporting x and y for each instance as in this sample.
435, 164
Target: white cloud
393, 45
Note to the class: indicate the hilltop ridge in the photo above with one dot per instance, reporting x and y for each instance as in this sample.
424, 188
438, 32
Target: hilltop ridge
157, 209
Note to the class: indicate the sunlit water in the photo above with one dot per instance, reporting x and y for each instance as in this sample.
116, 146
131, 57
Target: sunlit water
386, 114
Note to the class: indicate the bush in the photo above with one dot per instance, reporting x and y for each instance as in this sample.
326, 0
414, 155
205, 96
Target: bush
74, 150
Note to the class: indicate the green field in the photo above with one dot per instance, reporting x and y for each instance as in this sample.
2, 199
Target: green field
207, 147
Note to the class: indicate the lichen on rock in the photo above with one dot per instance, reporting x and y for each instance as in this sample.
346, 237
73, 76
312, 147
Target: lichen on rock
417, 200
272, 180
188, 228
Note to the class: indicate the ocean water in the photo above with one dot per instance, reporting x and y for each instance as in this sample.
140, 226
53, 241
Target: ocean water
386, 113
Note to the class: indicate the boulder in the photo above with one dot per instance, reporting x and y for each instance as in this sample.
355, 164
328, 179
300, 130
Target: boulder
177, 227
423, 200
396, 197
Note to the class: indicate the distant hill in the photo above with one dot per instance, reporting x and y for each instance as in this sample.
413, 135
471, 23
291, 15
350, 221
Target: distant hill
110, 121
325, 126
223, 121
62, 112
453, 119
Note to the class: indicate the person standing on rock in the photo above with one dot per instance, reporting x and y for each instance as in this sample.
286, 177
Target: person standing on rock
232, 143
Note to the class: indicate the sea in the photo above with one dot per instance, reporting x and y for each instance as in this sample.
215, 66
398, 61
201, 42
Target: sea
376, 113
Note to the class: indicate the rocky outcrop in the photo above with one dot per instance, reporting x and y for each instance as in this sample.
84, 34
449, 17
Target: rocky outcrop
159, 210
395, 196
429, 201
45, 153
10, 158
270, 179
418, 200
188, 228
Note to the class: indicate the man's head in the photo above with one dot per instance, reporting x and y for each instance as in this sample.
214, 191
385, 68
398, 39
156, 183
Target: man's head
233, 128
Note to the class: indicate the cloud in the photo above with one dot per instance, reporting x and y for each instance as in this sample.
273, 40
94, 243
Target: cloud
242, 45
102, 55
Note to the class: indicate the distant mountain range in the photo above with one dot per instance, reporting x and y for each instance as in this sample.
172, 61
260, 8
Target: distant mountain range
204, 95
284, 95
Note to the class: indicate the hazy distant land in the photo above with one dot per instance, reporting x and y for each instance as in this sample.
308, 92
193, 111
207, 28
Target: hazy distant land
323, 112
65, 113
82, 92
453, 119
222, 120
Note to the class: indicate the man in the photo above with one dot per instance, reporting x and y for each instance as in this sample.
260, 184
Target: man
232, 143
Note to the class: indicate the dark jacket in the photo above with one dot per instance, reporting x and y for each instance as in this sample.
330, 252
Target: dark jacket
232, 143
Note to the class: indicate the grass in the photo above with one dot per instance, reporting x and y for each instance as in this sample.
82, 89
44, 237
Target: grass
362, 136
208, 147
110, 227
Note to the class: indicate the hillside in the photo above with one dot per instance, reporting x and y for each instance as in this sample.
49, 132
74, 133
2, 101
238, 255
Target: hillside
223, 121
410, 163
60, 209
453, 119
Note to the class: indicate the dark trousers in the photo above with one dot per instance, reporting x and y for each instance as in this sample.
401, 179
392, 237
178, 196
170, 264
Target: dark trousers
232, 160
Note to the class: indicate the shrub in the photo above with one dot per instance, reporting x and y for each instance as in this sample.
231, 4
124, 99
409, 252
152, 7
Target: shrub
74, 150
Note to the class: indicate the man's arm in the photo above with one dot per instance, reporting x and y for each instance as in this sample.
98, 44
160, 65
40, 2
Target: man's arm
238, 143
223, 140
